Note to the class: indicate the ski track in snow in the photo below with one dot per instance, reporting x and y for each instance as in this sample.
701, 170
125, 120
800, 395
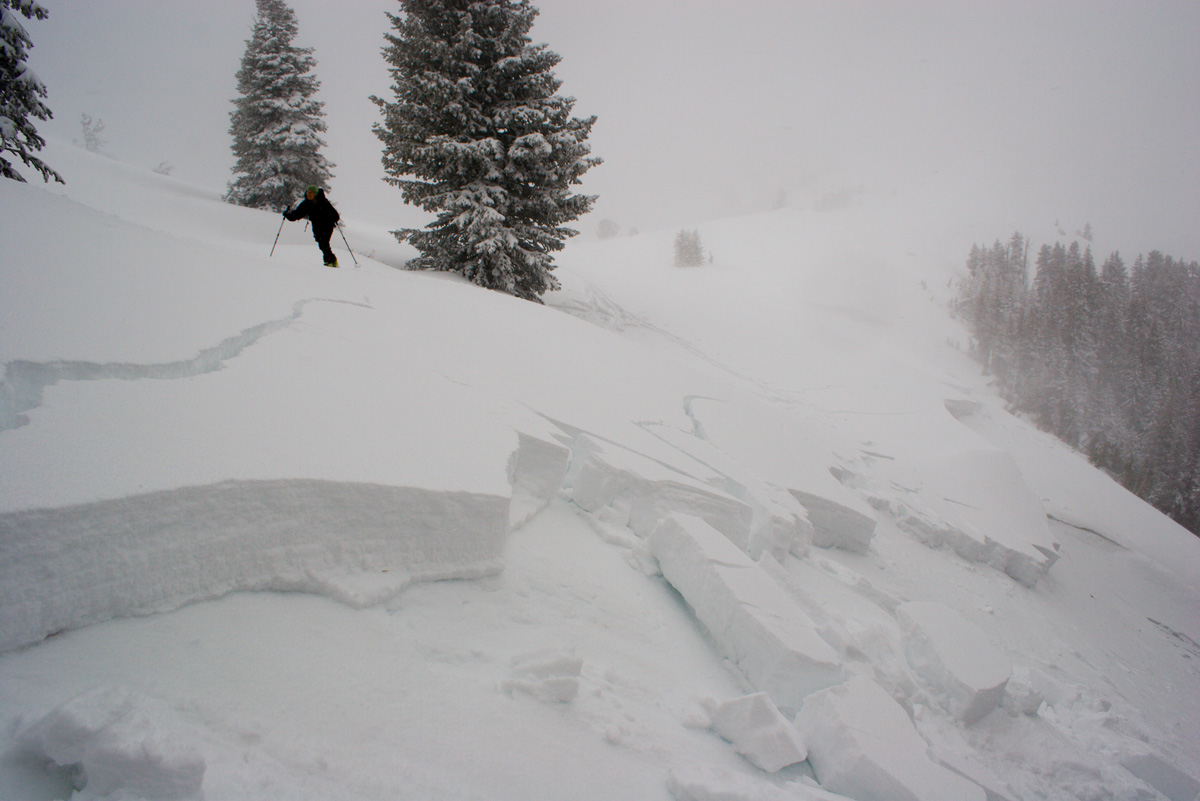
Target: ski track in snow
600, 309
25, 382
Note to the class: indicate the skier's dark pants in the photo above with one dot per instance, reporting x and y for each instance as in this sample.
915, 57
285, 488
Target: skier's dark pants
323, 235
323, 216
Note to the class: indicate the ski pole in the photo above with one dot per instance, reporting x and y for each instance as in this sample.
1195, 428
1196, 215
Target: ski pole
281, 222
339, 227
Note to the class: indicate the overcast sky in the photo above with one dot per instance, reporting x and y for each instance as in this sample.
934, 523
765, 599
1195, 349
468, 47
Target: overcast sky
1080, 111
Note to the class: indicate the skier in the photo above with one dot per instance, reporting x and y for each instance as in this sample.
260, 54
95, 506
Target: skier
323, 216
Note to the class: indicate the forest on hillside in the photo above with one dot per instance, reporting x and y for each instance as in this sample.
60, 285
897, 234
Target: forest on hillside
1106, 358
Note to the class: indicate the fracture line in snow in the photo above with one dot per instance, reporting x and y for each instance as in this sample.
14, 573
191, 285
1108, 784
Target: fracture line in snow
25, 382
603, 311
697, 426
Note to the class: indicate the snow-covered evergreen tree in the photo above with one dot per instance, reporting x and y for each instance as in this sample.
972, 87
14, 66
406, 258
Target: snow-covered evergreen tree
91, 128
476, 135
20, 92
608, 229
688, 250
276, 124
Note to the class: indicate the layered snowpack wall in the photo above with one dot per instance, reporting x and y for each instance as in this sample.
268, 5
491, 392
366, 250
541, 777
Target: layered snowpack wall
359, 543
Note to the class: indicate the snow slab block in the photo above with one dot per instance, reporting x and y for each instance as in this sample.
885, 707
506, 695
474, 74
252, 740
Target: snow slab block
755, 623
358, 543
861, 744
842, 523
121, 743
548, 676
759, 732
780, 524
536, 471
604, 474
790, 454
1021, 697
954, 658
977, 502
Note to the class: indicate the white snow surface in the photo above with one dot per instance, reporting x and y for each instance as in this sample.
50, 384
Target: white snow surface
271, 530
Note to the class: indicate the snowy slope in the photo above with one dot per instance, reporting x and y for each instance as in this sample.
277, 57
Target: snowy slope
270, 530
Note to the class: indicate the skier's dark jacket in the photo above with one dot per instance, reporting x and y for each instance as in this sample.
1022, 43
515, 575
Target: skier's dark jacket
319, 211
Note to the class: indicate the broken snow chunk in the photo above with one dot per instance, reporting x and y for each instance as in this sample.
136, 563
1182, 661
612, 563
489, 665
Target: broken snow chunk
698, 714
978, 503
604, 474
121, 744
861, 744
1021, 697
839, 519
549, 676
780, 524
962, 407
755, 623
794, 455
778, 534
758, 731
536, 471
954, 658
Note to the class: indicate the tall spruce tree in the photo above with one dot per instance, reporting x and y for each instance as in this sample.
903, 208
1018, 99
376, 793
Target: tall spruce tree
276, 124
20, 92
477, 136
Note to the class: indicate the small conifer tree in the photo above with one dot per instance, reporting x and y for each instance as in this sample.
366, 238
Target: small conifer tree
688, 250
477, 136
20, 92
276, 123
92, 128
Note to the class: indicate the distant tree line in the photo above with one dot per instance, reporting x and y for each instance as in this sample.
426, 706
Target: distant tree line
1106, 359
